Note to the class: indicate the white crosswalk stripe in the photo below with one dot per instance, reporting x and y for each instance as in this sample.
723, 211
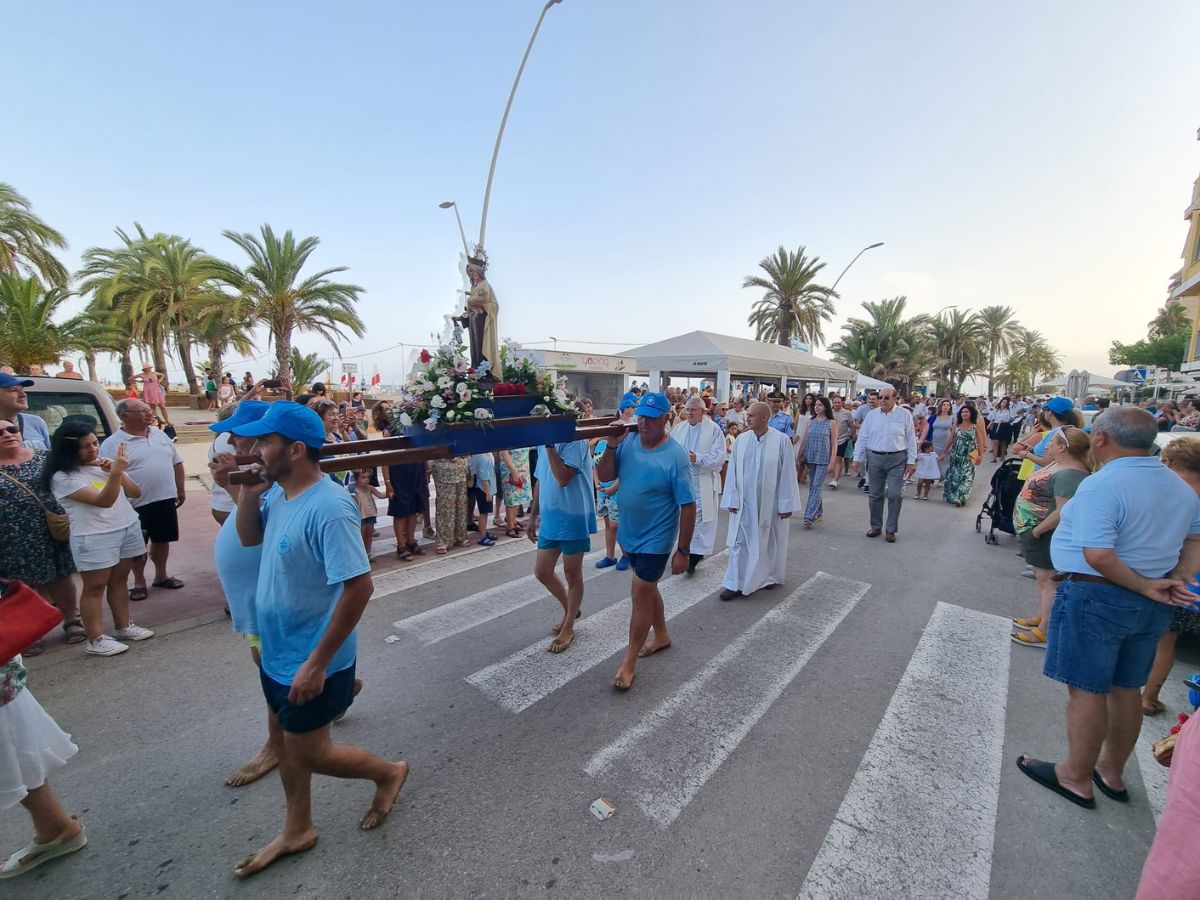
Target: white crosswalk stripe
664, 760
438, 567
453, 618
919, 818
522, 679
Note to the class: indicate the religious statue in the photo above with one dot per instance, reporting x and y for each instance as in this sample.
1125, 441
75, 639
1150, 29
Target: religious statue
480, 320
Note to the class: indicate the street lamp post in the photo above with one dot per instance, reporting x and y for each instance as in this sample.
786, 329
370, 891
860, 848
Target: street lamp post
450, 204
487, 194
849, 264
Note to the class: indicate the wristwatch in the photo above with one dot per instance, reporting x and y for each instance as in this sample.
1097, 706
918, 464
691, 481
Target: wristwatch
683, 550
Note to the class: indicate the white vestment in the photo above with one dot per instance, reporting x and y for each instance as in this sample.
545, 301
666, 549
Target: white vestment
761, 485
707, 442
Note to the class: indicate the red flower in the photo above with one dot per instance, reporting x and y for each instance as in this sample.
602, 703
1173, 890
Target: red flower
425, 357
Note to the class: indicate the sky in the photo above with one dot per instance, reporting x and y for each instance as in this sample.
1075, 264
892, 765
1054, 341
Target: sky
1037, 155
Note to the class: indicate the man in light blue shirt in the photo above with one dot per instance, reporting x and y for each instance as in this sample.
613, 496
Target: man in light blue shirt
13, 405
780, 420
314, 582
658, 516
562, 520
1126, 545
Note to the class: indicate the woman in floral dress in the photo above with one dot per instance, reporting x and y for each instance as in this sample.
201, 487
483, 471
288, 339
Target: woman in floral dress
450, 478
966, 437
514, 477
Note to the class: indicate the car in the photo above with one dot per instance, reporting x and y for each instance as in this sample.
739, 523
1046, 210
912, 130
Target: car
54, 400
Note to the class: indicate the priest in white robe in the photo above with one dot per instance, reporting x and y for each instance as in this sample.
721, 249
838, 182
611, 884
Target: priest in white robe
705, 445
761, 495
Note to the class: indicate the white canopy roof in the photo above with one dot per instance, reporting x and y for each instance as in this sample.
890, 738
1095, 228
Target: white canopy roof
867, 383
704, 353
1092, 380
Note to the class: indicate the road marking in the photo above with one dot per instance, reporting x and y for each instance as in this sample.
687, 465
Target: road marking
1154, 776
664, 760
443, 567
453, 618
522, 679
919, 819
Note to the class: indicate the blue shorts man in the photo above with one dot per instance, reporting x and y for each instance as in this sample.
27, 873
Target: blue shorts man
314, 582
562, 520
658, 515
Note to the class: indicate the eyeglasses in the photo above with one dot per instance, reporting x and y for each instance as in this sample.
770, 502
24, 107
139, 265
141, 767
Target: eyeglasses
10, 429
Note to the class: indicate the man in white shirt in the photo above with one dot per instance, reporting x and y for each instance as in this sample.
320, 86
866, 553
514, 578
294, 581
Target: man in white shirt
737, 414
705, 446
157, 468
887, 441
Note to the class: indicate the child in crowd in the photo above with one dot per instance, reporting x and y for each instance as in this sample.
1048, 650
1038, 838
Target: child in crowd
365, 495
483, 474
927, 470
131, 391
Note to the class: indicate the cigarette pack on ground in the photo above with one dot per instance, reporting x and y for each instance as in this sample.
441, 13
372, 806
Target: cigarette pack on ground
602, 809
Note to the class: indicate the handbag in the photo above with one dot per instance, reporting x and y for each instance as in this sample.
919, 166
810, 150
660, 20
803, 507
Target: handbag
974, 457
58, 523
25, 618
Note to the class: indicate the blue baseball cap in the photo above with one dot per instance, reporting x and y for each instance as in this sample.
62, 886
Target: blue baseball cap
1060, 406
629, 401
247, 411
11, 381
289, 420
653, 405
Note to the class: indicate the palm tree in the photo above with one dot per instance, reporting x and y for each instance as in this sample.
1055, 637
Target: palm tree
271, 282
1171, 318
1032, 355
30, 335
26, 242
958, 348
887, 345
226, 325
793, 305
306, 367
998, 331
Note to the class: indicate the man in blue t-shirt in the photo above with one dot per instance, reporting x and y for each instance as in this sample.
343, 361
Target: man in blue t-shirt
562, 520
314, 582
658, 515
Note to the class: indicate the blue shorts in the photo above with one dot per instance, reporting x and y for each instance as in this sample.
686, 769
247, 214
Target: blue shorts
649, 566
606, 507
1103, 636
369, 522
318, 712
568, 548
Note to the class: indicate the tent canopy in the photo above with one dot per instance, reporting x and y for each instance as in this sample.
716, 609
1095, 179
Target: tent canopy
700, 353
1093, 381
867, 383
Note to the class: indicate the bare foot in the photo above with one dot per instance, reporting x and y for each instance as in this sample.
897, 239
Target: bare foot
385, 798
563, 621
280, 847
263, 762
624, 679
563, 641
653, 646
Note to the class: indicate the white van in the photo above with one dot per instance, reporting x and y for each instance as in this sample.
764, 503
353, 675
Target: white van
55, 399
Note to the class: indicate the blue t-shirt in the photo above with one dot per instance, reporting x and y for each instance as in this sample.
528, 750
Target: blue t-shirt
1044, 444
311, 544
237, 569
483, 468
654, 484
34, 432
567, 513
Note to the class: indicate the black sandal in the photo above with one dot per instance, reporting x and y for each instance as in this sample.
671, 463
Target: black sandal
513, 532
73, 629
415, 549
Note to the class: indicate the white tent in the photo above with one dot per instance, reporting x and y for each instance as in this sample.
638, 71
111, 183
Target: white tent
724, 358
867, 383
1094, 381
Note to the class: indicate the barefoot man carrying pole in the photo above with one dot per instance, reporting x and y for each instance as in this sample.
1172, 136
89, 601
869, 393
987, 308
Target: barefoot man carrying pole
657, 506
313, 585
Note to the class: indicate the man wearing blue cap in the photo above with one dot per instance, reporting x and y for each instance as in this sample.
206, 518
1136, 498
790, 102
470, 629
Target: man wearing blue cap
658, 516
13, 403
314, 582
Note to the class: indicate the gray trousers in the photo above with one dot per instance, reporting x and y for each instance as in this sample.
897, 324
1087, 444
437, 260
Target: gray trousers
885, 472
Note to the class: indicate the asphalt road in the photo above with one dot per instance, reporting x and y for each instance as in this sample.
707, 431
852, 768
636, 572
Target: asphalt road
851, 734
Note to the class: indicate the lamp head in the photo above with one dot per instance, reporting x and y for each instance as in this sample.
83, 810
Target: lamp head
873, 246
446, 205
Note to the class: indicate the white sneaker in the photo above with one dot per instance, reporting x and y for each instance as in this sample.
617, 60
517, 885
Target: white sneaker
133, 633
105, 646
833, 484
1028, 573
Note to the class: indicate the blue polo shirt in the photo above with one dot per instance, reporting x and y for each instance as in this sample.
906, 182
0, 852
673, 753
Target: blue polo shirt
654, 484
1134, 505
567, 513
781, 421
237, 570
311, 545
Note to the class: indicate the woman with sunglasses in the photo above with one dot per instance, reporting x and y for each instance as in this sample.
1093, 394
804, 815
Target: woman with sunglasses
106, 534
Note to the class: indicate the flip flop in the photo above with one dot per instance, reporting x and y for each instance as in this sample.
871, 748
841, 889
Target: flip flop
1043, 773
171, 584
1156, 708
138, 593
558, 645
1121, 796
73, 629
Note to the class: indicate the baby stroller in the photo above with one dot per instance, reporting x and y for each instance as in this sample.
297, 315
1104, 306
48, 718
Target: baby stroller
999, 504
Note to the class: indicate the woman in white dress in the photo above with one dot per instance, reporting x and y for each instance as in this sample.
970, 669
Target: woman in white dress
31, 746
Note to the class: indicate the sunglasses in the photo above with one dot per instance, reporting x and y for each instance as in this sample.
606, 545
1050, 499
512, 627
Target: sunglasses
10, 429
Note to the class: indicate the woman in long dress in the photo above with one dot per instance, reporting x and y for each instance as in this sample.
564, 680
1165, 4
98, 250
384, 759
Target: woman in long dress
967, 438
938, 431
518, 491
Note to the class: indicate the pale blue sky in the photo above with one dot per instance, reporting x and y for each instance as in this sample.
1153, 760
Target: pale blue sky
1028, 153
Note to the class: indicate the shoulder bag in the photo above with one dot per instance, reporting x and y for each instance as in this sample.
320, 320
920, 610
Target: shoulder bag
58, 523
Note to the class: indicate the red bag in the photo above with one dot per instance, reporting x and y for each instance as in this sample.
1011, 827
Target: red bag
25, 618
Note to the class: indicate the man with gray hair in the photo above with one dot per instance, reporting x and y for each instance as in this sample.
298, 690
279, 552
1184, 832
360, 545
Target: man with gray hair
887, 441
1126, 546
705, 446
